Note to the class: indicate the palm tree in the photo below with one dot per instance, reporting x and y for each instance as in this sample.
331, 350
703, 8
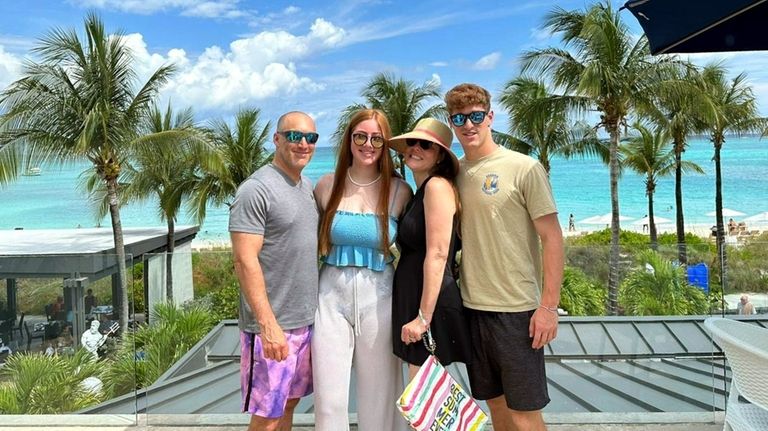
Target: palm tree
235, 154
80, 102
650, 153
402, 101
609, 66
735, 113
165, 167
679, 105
540, 123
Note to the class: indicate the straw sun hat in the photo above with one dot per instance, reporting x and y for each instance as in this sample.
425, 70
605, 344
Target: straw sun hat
428, 129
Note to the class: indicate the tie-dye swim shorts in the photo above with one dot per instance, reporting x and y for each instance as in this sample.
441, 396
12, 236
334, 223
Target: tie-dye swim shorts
267, 384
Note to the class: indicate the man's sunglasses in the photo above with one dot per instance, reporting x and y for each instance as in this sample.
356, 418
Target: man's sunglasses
425, 145
294, 136
361, 138
476, 117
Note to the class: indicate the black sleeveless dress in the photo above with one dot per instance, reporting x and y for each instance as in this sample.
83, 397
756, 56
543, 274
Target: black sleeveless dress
449, 327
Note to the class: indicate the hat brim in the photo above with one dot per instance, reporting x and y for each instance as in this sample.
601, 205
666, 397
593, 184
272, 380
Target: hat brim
397, 143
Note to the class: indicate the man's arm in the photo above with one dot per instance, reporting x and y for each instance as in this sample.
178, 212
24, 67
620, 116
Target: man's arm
543, 327
245, 249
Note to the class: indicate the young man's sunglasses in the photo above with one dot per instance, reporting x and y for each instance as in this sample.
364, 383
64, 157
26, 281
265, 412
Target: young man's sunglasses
425, 145
476, 117
361, 138
294, 136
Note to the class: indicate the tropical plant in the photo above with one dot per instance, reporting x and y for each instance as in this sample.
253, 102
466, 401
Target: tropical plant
735, 113
144, 355
235, 154
403, 102
581, 296
540, 124
650, 153
658, 287
678, 105
604, 63
80, 101
40, 384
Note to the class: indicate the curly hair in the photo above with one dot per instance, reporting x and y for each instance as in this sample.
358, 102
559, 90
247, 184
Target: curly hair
466, 94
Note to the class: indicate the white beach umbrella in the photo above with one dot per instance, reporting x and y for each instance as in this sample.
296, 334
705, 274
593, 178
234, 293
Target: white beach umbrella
758, 218
727, 212
603, 219
656, 219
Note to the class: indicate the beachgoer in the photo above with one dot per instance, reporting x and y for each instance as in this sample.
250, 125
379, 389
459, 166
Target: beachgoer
425, 294
360, 203
273, 225
645, 225
89, 300
745, 307
507, 208
731, 227
571, 223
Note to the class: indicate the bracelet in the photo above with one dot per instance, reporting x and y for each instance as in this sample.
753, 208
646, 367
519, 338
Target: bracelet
422, 319
550, 309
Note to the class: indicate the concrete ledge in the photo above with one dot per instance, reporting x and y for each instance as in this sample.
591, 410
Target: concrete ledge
211, 422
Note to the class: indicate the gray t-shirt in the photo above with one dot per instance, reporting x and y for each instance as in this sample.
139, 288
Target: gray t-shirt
268, 203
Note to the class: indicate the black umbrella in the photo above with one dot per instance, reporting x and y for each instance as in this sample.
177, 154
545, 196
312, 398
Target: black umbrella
685, 26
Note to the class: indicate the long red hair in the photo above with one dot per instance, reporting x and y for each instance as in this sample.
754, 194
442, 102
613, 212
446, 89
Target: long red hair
343, 162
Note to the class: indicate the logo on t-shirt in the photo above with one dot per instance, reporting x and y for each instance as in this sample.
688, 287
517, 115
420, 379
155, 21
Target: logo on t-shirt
491, 184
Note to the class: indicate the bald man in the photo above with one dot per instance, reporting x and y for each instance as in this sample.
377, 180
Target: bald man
273, 226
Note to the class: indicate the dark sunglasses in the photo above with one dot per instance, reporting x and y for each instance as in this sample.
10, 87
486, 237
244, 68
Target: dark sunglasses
361, 138
476, 117
425, 145
294, 136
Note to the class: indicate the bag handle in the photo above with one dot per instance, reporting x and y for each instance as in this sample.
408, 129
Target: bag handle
429, 342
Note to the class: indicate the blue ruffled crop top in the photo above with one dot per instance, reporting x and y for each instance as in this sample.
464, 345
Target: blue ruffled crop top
355, 241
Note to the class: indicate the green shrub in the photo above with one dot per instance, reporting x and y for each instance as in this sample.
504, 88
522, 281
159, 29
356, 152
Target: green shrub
581, 296
657, 287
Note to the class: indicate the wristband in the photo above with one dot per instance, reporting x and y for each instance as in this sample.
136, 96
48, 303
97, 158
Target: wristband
422, 319
550, 309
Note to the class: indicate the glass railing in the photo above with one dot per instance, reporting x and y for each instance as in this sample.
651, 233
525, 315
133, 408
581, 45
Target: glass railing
645, 352
67, 345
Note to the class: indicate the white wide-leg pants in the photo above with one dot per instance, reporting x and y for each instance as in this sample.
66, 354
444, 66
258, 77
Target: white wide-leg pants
353, 329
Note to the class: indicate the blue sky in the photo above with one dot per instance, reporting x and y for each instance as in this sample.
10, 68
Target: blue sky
310, 55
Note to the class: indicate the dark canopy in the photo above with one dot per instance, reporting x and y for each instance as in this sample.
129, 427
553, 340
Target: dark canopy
687, 26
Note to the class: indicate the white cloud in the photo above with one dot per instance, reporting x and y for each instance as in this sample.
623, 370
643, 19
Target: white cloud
439, 64
199, 8
253, 69
10, 67
290, 10
487, 62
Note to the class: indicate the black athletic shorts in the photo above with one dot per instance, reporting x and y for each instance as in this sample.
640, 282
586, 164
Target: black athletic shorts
503, 361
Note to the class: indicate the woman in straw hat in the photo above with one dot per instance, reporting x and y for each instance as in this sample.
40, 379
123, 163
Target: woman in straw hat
359, 203
425, 294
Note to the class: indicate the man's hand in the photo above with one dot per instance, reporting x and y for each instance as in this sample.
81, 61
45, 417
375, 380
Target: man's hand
273, 342
543, 327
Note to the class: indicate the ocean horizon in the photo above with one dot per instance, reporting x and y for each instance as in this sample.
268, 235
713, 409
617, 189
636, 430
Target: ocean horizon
55, 199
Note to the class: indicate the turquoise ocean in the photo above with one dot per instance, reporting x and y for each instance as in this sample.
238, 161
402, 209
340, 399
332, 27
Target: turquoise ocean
55, 198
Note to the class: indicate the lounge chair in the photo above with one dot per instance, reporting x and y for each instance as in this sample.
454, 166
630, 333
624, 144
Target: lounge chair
746, 348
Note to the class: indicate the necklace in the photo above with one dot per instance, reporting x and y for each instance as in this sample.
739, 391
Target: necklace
365, 184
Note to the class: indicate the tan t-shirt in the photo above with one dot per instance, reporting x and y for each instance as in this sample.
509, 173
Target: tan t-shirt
501, 194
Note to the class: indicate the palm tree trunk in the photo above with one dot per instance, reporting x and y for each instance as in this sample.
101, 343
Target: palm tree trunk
680, 221
169, 261
651, 220
613, 259
721, 253
117, 234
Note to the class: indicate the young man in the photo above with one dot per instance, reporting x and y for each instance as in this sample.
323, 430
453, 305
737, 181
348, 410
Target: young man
273, 226
507, 207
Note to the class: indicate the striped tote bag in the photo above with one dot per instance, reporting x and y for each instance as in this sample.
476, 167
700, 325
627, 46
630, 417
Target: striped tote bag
434, 401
